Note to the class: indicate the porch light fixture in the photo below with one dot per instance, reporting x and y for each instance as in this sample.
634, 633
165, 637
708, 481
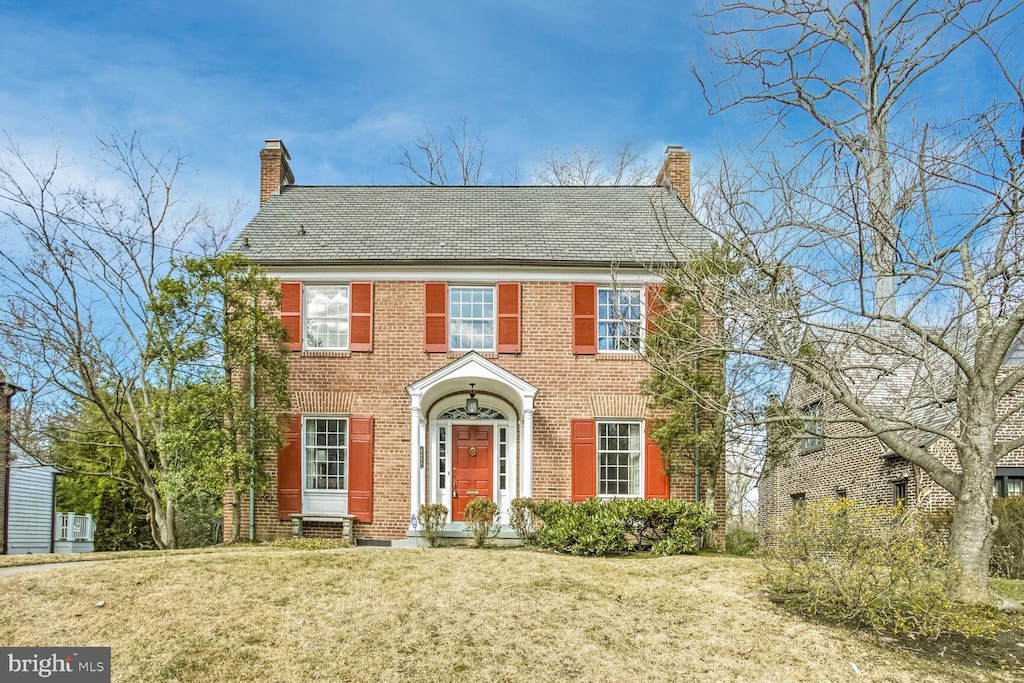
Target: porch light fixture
472, 405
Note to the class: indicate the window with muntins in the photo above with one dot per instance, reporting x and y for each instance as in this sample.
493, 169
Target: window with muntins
619, 319
326, 445
814, 428
326, 310
619, 449
502, 458
442, 457
471, 318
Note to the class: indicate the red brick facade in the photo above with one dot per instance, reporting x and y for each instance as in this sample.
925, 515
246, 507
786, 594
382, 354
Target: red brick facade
374, 383
398, 372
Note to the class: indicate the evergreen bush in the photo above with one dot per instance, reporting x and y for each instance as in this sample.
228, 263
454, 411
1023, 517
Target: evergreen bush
605, 527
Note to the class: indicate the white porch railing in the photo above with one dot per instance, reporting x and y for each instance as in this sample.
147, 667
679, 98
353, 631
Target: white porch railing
73, 527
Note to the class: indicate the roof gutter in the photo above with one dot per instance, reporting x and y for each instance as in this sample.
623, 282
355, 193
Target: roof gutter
458, 262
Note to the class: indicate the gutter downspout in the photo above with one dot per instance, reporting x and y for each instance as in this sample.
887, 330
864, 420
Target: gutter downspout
252, 421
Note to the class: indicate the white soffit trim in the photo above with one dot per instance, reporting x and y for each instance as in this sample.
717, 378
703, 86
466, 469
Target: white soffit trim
466, 274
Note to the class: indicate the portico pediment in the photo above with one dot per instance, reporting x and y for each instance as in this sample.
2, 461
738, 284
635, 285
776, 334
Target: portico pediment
488, 377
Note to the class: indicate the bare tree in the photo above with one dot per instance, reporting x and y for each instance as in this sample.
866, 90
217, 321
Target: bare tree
877, 242
627, 166
78, 273
455, 158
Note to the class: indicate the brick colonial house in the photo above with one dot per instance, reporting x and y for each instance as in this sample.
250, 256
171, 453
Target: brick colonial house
833, 458
454, 342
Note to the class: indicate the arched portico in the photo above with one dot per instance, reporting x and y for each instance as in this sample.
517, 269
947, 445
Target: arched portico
441, 434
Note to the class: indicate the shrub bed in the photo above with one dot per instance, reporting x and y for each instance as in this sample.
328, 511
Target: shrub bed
872, 566
607, 527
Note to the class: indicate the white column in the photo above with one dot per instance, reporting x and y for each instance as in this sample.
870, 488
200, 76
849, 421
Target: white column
416, 486
526, 457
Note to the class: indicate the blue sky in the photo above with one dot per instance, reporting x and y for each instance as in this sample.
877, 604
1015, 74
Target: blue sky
344, 84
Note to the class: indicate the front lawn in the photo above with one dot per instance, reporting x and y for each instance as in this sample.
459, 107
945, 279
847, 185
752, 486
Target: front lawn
446, 614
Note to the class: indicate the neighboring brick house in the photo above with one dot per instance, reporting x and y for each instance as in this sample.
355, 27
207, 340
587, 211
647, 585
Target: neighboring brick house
454, 342
833, 458
7, 391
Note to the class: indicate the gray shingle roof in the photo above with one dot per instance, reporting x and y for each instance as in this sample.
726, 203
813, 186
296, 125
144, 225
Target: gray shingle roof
898, 375
375, 224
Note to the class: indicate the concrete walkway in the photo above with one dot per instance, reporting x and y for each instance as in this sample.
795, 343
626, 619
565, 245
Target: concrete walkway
28, 568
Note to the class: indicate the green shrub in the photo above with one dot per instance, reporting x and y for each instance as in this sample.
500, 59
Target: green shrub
432, 519
585, 528
740, 542
480, 515
596, 527
308, 544
873, 566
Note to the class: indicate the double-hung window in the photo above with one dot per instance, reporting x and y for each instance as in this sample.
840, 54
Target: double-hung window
326, 310
814, 428
619, 450
326, 446
471, 318
619, 319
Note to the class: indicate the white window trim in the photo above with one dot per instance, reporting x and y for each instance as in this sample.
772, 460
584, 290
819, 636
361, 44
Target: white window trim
305, 316
643, 320
494, 317
348, 434
641, 471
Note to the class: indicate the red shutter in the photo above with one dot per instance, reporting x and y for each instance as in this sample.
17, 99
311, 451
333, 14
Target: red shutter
584, 459
655, 305
584, 318
509, 305
289, 470
655, 479
361, 316
291, 313
360, 468
435, 308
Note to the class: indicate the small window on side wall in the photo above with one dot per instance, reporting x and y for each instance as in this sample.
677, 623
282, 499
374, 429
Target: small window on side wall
814, 428
799, 501
899, 492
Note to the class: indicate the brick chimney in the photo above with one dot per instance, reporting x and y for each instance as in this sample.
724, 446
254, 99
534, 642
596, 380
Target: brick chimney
275, 172
676, 170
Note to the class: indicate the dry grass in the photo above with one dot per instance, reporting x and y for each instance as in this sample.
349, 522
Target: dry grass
63, 558
441, 615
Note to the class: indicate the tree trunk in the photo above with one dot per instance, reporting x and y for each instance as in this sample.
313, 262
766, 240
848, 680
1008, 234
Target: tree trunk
236, 512
970, 541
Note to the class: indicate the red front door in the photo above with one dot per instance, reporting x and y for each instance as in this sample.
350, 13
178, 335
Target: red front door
473, 466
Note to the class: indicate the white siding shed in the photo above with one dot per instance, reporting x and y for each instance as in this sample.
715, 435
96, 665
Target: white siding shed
29, 505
